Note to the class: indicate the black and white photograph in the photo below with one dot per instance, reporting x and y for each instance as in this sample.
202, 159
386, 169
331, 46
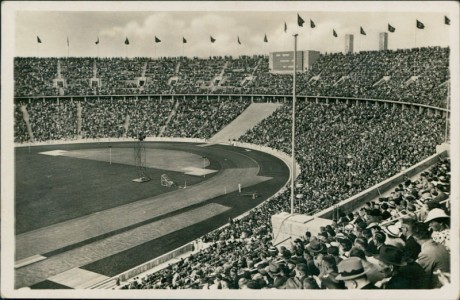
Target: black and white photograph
230, 149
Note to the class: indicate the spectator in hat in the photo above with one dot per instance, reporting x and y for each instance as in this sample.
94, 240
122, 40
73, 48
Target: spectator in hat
316, 247
439, 224
277, 274
391, 261
432, 256
353, 274
385, 213
393, 236
374, 273
411, 248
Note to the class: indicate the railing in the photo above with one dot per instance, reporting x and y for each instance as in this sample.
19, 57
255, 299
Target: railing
278, 98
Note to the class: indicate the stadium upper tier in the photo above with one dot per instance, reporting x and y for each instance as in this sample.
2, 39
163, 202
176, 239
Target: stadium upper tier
418, 75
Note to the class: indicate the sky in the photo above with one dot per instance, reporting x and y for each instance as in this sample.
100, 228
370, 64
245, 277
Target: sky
196, 22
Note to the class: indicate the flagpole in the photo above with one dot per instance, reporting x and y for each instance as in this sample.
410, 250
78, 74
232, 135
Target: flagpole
293, 124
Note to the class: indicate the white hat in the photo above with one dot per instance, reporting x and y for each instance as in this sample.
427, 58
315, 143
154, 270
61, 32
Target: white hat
392, 230
435, 213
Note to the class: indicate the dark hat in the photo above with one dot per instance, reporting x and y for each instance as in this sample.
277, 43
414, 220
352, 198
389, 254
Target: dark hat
315, 247
253, 284
333, 250
350, 268
375, 212
391, 255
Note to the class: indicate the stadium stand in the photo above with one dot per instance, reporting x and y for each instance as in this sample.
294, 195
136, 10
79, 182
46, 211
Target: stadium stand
330, 139
385, 235
416, 75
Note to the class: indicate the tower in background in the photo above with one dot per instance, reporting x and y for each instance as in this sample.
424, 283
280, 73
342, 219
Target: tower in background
383, 41
348, 43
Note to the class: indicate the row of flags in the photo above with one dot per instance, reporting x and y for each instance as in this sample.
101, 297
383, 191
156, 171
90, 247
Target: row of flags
300, 22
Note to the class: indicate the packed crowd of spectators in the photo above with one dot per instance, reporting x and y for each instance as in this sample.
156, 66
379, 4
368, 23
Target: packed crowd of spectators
417, 75
400, 241
345, 149
118, 116
202, 118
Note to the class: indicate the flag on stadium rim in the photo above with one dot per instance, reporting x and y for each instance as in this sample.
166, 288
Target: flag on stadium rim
97, 41
212, 39
362, 31
420, 25
446, 20
39, 40
239, 40
184, 41
265, 39
300, 21
312, 24
391, 28
334, 33
126, 41
285, 27
157, 40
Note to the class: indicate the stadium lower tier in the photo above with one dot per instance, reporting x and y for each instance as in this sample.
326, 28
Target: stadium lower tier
80, 217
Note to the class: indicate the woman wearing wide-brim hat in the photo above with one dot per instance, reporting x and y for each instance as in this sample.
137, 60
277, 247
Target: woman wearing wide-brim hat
439, 223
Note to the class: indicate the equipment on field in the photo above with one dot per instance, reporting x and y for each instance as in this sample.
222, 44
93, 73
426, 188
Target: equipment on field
140, 159
166, 181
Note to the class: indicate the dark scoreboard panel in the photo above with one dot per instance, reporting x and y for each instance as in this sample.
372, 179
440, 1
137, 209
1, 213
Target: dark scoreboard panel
284, 61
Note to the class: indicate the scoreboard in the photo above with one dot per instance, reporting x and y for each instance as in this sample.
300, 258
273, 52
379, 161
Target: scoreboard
283, 61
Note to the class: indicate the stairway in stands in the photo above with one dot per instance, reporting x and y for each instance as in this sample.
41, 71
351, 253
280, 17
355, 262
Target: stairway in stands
252, 116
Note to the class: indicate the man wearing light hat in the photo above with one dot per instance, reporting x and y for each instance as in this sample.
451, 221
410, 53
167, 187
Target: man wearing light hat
352, 272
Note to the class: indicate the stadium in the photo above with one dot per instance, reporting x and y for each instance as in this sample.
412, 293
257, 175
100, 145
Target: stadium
293, 169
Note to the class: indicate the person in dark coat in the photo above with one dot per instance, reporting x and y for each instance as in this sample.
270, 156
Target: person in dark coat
411, 248
391, 261
433, 256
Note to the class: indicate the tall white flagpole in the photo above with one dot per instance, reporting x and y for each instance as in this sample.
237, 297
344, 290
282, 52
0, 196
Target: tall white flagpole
293, 124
